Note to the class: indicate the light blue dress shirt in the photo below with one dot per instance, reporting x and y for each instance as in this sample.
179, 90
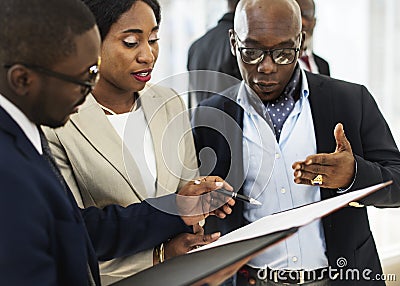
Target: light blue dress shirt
269, 178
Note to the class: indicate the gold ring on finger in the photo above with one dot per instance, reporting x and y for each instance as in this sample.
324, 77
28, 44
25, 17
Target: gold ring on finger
317, 180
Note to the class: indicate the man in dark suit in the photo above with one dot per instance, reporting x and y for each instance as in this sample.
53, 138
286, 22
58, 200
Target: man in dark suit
309, 60
278, 137
46, 73
212, 52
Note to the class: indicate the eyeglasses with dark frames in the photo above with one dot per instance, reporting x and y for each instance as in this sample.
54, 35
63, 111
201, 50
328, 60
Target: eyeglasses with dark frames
86, 86
253, 56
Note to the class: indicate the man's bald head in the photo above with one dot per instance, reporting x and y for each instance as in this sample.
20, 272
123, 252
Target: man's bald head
274, 28
266, 14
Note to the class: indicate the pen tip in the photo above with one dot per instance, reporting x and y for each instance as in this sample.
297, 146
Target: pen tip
255, 202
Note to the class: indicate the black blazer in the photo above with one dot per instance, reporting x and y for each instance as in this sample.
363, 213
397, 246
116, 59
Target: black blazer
347, 231
323, 66
44, 238
212, 52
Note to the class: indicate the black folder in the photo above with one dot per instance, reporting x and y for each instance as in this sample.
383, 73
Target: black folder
190, 268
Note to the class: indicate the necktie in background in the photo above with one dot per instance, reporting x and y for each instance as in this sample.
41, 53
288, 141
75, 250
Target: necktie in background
306, 61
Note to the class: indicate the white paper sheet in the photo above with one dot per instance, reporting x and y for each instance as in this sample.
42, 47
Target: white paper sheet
293, 218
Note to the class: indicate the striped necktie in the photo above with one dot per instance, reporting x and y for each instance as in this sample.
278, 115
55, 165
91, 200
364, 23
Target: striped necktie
48, 156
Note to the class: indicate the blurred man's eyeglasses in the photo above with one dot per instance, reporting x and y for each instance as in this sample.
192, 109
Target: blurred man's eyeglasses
253, 56
86, 86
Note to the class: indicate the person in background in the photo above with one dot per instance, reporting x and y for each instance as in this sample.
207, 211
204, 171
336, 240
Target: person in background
45, 75
309, 60
212, 52
279, 137
129, 140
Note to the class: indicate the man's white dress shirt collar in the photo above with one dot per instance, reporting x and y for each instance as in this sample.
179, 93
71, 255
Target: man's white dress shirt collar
28, 127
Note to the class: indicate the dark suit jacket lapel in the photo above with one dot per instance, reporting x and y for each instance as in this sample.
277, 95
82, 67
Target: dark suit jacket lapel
234, 136
323, 110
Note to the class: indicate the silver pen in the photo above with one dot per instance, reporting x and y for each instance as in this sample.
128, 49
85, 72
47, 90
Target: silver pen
239, 197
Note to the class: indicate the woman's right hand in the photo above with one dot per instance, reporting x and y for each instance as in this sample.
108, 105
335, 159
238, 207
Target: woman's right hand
196, 200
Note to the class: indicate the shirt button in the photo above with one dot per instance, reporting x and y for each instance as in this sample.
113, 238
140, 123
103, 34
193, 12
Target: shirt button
277, 155
283, 190
294, 258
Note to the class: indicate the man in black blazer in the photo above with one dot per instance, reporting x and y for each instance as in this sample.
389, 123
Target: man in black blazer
212, 52
310, 61
46, 73
319, 160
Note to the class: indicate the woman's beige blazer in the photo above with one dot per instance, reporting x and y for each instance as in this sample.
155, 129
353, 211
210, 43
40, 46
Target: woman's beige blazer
99, 171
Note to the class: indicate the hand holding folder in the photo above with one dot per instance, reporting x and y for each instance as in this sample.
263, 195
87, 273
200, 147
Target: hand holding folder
211, 266
217, 261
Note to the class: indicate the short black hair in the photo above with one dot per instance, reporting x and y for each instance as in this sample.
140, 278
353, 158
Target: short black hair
107, 12
41, 32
